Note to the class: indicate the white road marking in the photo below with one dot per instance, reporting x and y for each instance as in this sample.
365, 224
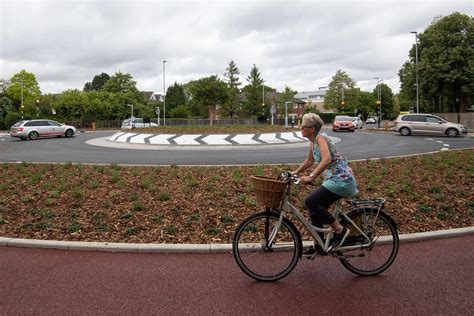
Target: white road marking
161, 139
140, 138
216, 139
245, 139
187, 140
123, 138
270, 138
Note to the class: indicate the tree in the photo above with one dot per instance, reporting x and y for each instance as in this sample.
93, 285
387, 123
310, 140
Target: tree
98, 82
341, 94
445, 67
386, 100
175, 97
286, 96
253, 94
23, 83
365, 103
232, 107
208, 94
121, 83
180, 111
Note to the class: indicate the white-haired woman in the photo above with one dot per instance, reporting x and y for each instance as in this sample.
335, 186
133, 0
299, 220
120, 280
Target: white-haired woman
339, 180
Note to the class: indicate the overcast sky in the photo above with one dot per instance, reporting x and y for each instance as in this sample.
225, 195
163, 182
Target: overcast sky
300, 44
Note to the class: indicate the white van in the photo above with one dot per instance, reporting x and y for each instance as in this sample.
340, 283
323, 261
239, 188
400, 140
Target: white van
137, 122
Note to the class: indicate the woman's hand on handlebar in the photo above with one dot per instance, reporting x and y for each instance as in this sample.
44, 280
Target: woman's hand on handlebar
306, 179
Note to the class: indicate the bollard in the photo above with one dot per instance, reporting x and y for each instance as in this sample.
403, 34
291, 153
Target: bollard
93, 126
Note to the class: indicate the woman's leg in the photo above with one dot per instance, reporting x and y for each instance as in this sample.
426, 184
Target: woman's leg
318, 203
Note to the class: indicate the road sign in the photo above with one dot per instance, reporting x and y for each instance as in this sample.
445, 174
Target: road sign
157, 111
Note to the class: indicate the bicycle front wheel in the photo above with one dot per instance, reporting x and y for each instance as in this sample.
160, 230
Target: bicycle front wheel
380, 255
257, 255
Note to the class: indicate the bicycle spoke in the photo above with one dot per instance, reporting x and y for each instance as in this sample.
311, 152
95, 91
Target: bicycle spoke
258, 258
380, 254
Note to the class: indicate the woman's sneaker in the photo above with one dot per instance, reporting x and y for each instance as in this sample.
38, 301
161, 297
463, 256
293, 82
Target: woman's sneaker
338, 239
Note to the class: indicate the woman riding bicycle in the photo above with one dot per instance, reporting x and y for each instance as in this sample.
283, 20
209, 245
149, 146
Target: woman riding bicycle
339, 180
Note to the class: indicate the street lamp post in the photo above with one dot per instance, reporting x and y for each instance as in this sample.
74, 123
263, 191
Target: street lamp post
131, 117
21, 106
164, 94
416, 69
286, 113
379, 103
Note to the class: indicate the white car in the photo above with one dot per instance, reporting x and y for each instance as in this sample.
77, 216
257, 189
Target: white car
137, 122
34, 129
357, 122
371, 120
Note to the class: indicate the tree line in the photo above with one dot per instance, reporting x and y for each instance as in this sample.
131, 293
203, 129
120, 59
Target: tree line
445, 70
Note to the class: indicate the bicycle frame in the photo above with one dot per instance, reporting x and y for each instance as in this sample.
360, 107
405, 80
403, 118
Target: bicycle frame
286, 205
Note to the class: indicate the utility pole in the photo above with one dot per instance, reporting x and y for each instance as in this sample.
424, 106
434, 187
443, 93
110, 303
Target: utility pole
164, 95
416, 69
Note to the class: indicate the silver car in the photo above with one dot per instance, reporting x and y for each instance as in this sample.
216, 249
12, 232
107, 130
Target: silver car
357, 122
137, 122
33, 129
418, 123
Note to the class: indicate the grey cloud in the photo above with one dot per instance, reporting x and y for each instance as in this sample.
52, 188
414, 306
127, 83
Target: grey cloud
296, 43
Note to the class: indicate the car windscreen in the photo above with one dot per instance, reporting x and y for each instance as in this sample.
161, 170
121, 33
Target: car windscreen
343, 118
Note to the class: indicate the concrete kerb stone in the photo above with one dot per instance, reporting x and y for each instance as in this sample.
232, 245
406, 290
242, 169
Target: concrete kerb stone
189, 248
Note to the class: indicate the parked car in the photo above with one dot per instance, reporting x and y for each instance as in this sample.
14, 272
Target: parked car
412, 123
137, 122
371, 120
33, 129
357, 122
343, 123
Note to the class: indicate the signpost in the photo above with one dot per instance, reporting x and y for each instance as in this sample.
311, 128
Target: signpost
157, 111
273, 111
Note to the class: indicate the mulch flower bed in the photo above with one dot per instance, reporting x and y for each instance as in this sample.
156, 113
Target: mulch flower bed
205, 204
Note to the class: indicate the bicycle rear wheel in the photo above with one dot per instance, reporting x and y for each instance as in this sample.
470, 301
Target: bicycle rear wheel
382, 231
259, 259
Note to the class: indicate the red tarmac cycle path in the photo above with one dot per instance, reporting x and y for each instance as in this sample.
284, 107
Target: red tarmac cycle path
429, 277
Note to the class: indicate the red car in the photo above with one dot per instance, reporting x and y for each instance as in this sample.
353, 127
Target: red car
343, 123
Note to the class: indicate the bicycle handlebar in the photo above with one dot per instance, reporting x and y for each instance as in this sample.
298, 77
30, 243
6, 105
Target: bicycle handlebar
287, 176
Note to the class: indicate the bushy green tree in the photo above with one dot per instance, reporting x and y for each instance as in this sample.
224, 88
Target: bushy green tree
208, 94
365, 103
342, 93
180, 111
387, 104
175, 97
98, 82
23, 83
445, 66
288, 95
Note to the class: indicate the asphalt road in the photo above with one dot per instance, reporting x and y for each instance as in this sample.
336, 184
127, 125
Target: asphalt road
428, 278
358, 145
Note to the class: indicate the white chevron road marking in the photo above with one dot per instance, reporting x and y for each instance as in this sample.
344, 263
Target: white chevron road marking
161, 139
245, 139
140, 138
217, 139
270, 138
123, 138
187, 140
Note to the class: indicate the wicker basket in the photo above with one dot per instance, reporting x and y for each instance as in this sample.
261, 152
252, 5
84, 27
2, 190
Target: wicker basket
269, 191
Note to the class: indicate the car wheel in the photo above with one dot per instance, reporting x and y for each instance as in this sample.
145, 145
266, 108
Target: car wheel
451, 132
69, 133
33, 135
405, 131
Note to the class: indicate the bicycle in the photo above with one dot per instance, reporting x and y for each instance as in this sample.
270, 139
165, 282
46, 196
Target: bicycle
267, 245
